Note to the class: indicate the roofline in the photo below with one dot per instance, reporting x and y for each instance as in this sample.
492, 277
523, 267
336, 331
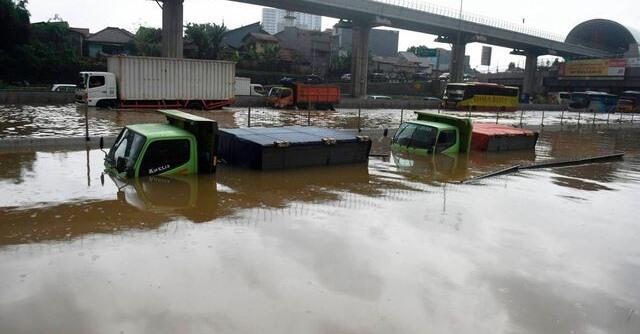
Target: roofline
440, 126
162, 128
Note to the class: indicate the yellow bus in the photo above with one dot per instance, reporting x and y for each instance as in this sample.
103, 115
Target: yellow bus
475, 96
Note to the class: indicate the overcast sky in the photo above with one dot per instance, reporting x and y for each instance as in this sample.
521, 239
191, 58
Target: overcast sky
557, 16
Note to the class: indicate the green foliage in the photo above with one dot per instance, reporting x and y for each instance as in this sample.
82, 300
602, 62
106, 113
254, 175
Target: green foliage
207, 38
49, 55
14, 24
420, 51
340, 65
148, 42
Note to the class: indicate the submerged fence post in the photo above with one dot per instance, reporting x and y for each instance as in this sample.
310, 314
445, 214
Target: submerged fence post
359, 113
249, 118
632, 115
86, 124
620, 120
594, 118
579, 113
521, 115
401, 115
309, 114
562, 117
497, 117
542, 121
608, 117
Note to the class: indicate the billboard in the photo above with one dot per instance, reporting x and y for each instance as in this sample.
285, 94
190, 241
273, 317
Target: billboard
594, 68
486, 56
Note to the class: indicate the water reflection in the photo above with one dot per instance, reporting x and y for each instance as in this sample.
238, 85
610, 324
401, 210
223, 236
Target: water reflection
393, 247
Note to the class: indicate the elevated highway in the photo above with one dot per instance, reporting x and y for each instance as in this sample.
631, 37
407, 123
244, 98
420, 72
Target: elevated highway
451, 26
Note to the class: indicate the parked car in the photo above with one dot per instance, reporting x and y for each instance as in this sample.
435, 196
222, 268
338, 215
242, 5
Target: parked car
434, 99
313, 79
67, 88
378, 97
379, 77
288, 81
346, 77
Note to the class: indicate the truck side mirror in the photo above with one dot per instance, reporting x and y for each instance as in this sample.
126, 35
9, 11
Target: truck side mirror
121, 164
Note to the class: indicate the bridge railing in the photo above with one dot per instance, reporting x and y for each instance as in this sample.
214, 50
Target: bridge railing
470, 17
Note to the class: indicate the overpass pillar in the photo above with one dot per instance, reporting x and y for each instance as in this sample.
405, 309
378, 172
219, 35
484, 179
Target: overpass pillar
360, 60
529, 82
172, 24
456, 68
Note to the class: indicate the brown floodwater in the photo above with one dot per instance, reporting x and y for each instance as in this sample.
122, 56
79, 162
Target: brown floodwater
398, 246
69, 120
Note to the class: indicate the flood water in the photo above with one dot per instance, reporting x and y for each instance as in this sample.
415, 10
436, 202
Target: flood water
69, 120
398, 246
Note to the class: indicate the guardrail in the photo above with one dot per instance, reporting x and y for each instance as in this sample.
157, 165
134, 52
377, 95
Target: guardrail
474, 18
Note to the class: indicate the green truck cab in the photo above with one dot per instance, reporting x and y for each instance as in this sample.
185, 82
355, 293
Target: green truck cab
433, 134
185, 145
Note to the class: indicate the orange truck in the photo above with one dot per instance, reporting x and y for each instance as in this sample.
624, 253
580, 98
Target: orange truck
302, 96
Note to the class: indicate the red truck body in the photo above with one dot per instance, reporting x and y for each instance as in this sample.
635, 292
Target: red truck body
304, 96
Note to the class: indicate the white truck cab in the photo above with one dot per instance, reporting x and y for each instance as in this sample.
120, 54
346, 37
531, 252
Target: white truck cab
97, 89
257, 90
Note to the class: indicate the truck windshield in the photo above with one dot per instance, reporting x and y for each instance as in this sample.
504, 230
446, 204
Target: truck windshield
128, 146
82, 80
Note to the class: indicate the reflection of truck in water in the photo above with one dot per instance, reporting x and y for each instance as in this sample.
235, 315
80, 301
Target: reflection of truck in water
303, 96
147, 82
189, 144
435, 133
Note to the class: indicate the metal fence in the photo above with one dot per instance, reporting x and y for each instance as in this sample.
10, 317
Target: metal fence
474, 18
392, 118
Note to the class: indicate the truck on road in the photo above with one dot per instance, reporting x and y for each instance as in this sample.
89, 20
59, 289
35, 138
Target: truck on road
435, 133
304, 96
148, 82
244, 87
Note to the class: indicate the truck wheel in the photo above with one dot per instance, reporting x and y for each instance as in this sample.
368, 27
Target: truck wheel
106, 104
195, 105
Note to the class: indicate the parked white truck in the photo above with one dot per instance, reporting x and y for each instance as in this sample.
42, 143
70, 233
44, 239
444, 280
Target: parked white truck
147, 82
244, 87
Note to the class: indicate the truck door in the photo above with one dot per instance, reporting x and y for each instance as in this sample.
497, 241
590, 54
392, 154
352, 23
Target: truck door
424, 138
404, 137
164, 157
96, 89
447, 142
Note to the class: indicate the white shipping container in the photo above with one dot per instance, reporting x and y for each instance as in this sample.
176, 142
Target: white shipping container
148, 78
243, 86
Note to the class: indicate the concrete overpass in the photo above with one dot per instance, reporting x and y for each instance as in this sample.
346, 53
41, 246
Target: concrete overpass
451, 26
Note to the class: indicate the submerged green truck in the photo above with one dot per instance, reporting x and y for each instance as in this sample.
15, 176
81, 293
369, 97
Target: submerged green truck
186, 144
436, 133
189, 144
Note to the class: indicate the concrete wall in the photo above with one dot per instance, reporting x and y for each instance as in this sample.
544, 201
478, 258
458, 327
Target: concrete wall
29, 97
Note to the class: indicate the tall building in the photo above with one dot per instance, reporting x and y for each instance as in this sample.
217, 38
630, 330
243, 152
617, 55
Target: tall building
274, 20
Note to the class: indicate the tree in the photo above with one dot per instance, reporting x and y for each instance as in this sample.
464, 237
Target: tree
341, 65
14, 24
512, 67
420, 51
148, 42
207, 38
